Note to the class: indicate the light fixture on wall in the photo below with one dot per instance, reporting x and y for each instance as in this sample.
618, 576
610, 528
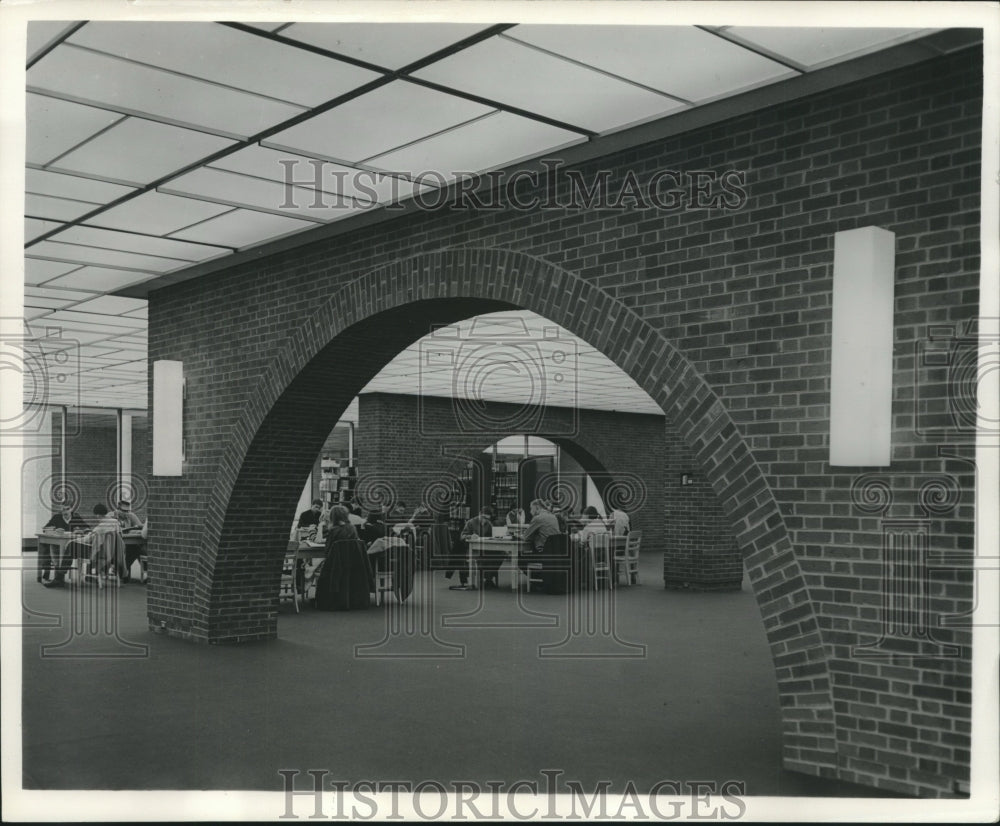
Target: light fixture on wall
168, 418
861, 357
687, 479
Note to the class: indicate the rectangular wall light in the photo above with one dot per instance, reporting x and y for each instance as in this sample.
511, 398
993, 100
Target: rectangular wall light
168, 418
861, 362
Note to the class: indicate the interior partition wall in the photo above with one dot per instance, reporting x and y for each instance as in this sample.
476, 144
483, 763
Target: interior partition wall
723, 317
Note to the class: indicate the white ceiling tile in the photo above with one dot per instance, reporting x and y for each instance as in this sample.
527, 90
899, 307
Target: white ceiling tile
133, 88
59, 209
53, 126
50, 292
86, 321
495, 141
157, 213
45, 182
111, 305
37, 270
812, 46
242, 228
227, 56
47, 303
280, 165
380, 120
101, 279
267, 27
679, 60
518, 75
243, 190
33, 227
43, 32
392, 45
129, 242
114, 258
140, 151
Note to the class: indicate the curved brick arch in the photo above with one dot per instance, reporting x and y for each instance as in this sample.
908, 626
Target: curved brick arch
453, 284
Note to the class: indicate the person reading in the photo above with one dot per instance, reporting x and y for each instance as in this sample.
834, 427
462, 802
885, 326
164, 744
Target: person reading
542, 525
491, 560
65, 520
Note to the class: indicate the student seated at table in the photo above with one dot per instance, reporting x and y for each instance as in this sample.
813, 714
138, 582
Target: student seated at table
337, 527
88, 546
515, 517
618, 522
128, 521
374, 528
491, 560
593, 524
310, 518
66, 520
355, 515
542, 525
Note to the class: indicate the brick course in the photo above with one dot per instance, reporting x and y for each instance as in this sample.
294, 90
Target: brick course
723, 317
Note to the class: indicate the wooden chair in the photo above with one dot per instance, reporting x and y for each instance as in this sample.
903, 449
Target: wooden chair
627, 558
383, 583
288, 587
108, 552
600, 558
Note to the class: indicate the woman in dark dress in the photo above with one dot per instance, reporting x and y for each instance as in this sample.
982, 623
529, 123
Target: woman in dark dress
346, 580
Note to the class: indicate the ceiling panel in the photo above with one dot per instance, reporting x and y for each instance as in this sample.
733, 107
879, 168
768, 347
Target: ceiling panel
44, 182
229, 57
85, 321
43, 32
243, 190
680, 60
99, 279
124, 151
111, 304
157, 213
145, 244
494, 141
57, 209
34, 227
391, 45
53, 126
37, 270
279, 165
70, 296
95, 255
813, 46
384, 119
137, 89
508, 71
242, 228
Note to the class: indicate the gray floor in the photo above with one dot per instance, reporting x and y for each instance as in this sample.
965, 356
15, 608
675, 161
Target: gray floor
509, 700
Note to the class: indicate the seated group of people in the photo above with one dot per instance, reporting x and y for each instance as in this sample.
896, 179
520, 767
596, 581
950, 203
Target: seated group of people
345, 523
545, 522
102, 545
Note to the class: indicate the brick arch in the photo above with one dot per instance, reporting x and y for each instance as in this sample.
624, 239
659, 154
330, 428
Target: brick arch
393, 306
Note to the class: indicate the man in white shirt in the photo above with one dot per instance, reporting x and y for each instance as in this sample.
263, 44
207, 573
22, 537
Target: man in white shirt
620, 525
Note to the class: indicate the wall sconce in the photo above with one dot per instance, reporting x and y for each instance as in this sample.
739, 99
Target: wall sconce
687, 479
864, 262
168, 418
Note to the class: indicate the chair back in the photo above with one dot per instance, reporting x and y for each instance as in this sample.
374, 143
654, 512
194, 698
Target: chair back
600, 547
632, 543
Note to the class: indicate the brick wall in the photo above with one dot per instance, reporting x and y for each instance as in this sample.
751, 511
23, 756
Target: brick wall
406, 447
700, 552
723, 317
91, 461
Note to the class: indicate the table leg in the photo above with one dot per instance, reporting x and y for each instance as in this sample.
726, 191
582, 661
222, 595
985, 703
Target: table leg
515, 573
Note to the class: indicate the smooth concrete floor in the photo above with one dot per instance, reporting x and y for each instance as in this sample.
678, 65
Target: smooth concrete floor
485, 688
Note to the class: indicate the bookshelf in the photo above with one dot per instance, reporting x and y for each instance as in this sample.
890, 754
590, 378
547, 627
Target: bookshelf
338, 480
